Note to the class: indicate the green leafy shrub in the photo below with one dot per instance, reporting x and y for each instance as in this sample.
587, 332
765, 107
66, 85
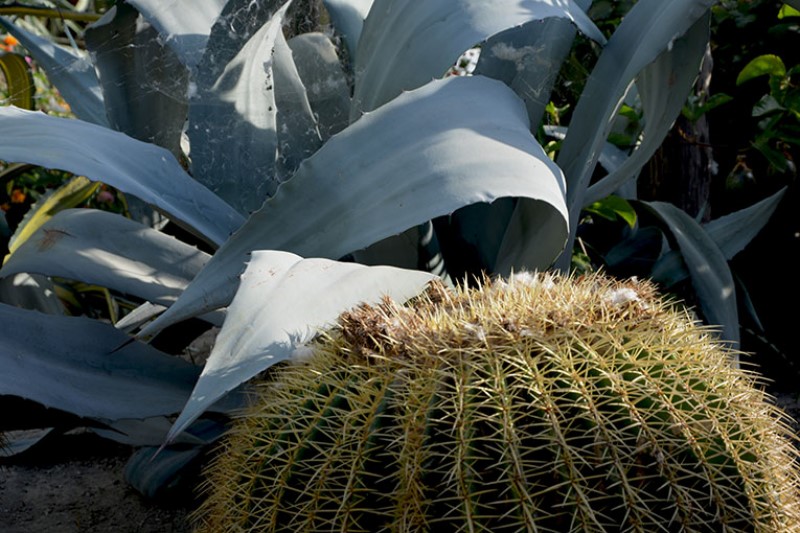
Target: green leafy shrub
540, 404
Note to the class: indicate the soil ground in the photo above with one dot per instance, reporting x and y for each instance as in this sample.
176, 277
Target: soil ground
76, 485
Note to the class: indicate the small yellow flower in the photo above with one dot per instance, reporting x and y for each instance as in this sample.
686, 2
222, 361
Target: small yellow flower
10, 41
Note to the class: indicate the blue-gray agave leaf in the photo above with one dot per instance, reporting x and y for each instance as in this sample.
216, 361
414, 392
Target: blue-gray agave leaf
324, 80
283, 302
65, 363
348, 18
528, 59
111, 251
406, 43
72, 74
134, 167
184, 25
731, 233
232, 119
734, 231
144, 84
298, 136
650, 28
663, 86
31, 291
711, 277
414, 159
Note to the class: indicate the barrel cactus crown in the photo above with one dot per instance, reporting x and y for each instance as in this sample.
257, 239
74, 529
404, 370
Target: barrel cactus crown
538, 404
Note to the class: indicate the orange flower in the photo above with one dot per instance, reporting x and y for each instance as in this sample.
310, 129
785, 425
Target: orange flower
10, 41
17, 196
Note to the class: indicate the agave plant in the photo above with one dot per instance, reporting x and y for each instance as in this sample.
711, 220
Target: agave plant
205, 112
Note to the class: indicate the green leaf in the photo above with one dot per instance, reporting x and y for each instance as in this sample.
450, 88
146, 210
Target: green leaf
649, 29
711, 277
775, 157
109, 250
184, 25
767, 64
406, 43
613, 207
19, 81
134, 167
65, 363
693, 112
788, 11
414, 159
72, 74
282, 303
144, 84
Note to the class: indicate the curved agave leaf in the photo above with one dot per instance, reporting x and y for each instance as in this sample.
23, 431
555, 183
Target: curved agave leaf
731, 233
711, 277
734, 231
649, 28
236, 24
31, 292
14, 444
528, 59
324, 80
298, 136
232, 121
109, 250
65, 363
134, 167
73, 74
412, 160
147, 432
184, 25
144, 84
663, 86
348, 18
159, 472
406, 43
283, 302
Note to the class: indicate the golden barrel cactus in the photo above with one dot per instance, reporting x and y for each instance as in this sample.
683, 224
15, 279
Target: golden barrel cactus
539, 404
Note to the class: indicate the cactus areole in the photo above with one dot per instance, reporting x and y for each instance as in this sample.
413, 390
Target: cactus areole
536, 404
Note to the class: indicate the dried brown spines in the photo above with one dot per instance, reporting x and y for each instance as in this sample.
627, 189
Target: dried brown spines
541, 404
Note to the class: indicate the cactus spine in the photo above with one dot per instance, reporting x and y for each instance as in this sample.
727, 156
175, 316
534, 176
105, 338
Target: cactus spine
540, 404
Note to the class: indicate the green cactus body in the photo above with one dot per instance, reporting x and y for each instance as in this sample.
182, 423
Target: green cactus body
541, 404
